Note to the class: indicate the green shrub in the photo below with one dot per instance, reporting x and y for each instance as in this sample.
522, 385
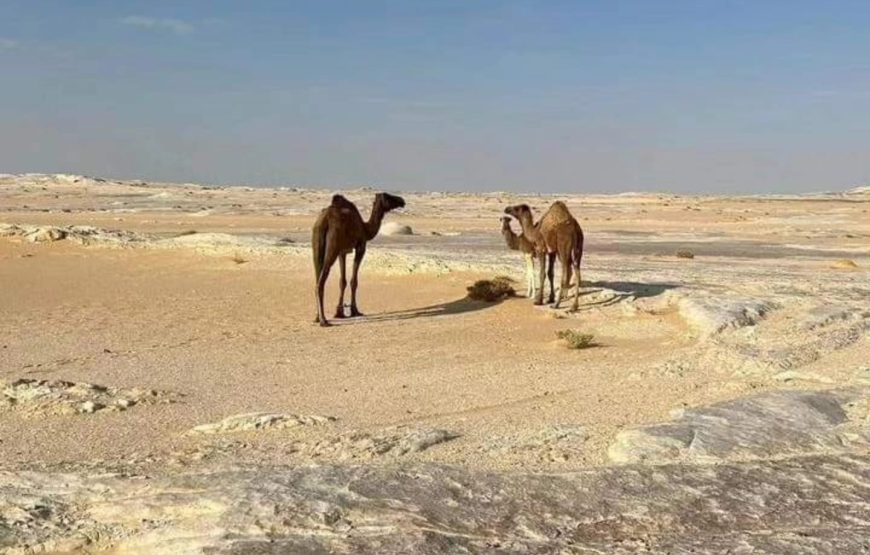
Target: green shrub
492, 290
576, 340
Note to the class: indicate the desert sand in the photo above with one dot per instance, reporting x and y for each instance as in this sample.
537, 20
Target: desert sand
163, 386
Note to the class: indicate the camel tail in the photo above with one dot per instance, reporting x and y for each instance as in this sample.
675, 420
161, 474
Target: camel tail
318, 245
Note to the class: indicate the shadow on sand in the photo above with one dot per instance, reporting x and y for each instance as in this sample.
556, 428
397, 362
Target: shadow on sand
459, 306
630, 288
623, 290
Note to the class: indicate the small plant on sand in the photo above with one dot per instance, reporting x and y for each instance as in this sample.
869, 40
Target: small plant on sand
237, 258
492, 290
576, 340
685, 254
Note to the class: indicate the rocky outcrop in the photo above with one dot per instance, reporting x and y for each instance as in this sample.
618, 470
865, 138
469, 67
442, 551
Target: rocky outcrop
260, 421
775, 424
379, 260
392, 442
81, 234
43, 397
710, 315
804, 505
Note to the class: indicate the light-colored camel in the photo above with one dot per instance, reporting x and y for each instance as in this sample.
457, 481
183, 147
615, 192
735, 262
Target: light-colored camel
557, 233
338, 230
520, 243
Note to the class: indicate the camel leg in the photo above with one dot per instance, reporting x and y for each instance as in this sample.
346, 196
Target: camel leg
358, 255
530, 275
565, 262
542, 276
330, 258
576, 304
342, 285
551, 262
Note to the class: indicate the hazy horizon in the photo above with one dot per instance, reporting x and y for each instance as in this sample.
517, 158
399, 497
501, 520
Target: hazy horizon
597, 97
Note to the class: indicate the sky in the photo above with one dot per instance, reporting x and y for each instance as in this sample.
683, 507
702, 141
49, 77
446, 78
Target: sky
479, 95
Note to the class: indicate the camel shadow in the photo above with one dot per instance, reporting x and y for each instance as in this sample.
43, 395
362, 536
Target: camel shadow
621, 291
630, 288
459, 306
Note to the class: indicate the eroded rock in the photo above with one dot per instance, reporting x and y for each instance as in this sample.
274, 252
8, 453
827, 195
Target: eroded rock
260, 421
711, 315
774, 424
42, 397
81, 234
45, 235
803, 505
389, 442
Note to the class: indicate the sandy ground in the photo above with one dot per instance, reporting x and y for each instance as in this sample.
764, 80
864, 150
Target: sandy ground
226, 330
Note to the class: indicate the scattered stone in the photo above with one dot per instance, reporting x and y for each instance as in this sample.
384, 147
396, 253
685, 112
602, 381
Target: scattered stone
685, 254
773, 424
90, 407
260, 421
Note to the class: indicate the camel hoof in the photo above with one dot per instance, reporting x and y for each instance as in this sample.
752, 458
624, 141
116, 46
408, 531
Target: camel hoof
339, 314
356, 313
325, 324
538, 302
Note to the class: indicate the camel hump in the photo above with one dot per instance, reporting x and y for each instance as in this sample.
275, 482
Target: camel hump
339, 201
558, 213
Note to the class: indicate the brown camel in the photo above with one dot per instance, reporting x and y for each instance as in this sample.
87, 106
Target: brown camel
338, 230
520, 243
557, 233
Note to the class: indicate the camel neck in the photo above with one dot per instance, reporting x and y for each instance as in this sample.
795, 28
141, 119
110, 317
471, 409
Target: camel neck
374, 223
511, 238
529, 230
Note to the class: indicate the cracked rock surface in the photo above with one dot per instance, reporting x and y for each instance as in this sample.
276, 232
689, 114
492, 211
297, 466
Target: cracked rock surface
813, 504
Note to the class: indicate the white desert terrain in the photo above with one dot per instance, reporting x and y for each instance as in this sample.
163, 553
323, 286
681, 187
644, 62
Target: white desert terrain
163, 388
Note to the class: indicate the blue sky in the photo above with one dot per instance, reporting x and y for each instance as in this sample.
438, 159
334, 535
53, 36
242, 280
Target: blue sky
602, 96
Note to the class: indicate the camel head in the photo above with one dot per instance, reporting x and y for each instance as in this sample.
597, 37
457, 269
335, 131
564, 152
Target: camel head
505, 223
388, 202
519, 211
